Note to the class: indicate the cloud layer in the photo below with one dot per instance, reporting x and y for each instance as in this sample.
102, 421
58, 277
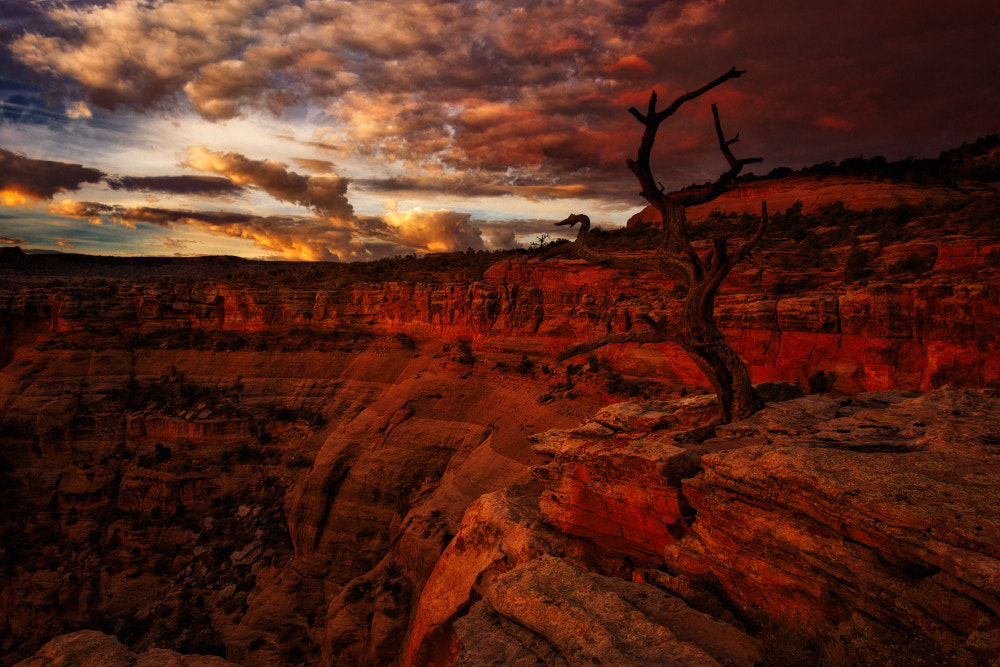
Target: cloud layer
325, 193
24, 179
487, 99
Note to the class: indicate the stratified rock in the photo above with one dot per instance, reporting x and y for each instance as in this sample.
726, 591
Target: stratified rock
622, 492
89, 648
887, 507
499, 531
616, 479
549, 612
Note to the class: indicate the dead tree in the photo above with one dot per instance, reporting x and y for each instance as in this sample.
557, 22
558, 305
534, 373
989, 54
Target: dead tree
702, 272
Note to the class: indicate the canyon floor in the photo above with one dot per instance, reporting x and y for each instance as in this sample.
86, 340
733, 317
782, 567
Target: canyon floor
216, 462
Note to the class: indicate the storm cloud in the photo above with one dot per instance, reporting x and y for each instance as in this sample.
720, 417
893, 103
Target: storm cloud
208, 186
24, 179
419, 99
324, 193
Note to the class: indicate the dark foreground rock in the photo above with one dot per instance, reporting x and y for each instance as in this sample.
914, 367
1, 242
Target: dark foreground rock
89, 648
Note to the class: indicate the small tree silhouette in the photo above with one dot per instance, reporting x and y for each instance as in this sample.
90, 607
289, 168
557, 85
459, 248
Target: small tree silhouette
702, 272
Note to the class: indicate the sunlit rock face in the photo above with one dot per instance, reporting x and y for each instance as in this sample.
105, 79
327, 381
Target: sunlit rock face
866, 525
877, 512
616, 479
897, 329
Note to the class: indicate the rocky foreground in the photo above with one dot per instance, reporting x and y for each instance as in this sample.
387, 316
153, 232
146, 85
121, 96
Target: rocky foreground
868, 528
820, 531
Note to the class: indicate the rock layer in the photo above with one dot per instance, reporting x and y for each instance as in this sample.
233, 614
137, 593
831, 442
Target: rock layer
885, 507
548, 612
88, 648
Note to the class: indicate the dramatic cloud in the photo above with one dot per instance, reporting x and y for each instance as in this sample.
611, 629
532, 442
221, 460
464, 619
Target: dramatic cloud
433, 231
209, 186
305, 238
137, 54
95, 213
324, 193
11, 240
442, 103
90, 211
23, 179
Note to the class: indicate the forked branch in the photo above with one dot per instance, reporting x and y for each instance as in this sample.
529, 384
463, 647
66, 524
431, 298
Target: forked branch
643, 336
725, 180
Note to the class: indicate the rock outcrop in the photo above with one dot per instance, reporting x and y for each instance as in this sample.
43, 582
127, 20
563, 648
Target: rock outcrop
868, 524
89, 648
548, 612
279, 473
884, 507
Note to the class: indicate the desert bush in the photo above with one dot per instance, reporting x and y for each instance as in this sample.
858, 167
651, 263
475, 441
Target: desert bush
820, 381
914, 264
525, 366
465, 354
616, 383
857, 266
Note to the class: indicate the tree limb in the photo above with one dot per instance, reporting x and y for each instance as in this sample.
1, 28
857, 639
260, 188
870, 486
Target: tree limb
659, 117
644, 336
723, 182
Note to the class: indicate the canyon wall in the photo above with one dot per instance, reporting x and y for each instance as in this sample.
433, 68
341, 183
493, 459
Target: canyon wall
275, 472
913, 329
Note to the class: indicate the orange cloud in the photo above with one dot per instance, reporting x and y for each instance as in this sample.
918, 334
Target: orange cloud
84, 210
25, 180
631, 64
324, 193
432, 231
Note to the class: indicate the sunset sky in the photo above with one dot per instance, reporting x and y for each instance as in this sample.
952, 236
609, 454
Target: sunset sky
336, 130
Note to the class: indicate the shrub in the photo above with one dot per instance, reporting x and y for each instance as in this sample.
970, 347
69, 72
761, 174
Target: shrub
914, 264
465, 354
857, 266
615, 383
820, 382
525, 366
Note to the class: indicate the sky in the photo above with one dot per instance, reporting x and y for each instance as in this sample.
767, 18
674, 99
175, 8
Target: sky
351, 130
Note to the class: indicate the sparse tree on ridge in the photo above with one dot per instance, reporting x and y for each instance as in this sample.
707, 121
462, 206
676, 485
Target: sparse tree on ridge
702, 272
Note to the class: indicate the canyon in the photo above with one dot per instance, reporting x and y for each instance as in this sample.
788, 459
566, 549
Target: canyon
284, 470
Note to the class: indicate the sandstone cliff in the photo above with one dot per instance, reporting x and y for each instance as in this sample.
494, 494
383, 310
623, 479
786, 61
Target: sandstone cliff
278, 473
843, 531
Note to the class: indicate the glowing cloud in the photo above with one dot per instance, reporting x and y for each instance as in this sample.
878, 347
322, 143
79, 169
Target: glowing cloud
432, 231
79, 110
25, 180
324, 193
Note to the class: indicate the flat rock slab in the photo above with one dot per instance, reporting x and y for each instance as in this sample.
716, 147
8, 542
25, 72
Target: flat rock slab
89, 648
887, 505
548, 612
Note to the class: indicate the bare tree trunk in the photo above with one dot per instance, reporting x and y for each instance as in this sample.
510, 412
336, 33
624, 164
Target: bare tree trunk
701, 271
701, 339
